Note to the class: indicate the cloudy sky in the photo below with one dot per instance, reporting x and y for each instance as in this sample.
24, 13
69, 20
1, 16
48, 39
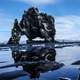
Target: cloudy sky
65, 12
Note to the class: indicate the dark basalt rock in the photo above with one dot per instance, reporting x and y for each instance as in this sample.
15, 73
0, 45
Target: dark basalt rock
33, 24
76, 63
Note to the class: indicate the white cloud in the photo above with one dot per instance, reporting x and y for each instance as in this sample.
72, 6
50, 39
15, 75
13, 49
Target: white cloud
68, 27
39, 2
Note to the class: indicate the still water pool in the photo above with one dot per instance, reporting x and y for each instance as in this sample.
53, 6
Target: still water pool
66, 56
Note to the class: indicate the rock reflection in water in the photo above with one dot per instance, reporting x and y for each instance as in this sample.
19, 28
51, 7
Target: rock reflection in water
43, 60
34, 54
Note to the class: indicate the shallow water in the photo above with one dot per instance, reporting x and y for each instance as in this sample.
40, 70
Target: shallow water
66, 55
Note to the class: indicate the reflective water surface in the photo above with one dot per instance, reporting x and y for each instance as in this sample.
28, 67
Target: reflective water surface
15, 64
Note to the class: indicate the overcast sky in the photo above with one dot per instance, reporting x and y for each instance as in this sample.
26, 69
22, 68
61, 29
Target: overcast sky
65, 12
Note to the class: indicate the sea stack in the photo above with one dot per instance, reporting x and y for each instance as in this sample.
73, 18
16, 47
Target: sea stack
33, 24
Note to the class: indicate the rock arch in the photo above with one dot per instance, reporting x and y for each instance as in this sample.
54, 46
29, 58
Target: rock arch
33, 24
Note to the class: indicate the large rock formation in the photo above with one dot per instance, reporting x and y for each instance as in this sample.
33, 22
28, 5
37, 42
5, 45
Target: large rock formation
33, 24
